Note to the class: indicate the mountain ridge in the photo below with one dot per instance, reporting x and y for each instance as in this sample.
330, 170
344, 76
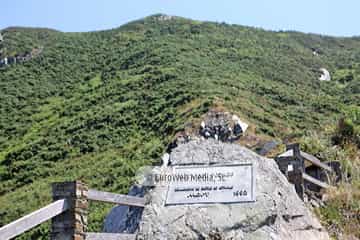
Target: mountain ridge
99, 105
156, 15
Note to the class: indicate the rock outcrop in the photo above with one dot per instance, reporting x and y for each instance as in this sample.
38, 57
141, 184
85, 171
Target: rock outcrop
267, 147
278, 212
325, 75
20, 58
223, 126
123, 218
219, 125
163, 17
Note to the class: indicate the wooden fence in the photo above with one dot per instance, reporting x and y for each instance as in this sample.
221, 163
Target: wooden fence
293, 164
68, 213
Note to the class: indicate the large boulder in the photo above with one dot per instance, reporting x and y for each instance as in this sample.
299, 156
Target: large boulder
277, 213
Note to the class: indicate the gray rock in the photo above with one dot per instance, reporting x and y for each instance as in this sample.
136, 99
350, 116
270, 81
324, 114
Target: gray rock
124, 219
325, 75
267, 147
222, 126
278, 212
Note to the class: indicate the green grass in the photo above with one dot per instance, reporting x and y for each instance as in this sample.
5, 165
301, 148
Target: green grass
98, 105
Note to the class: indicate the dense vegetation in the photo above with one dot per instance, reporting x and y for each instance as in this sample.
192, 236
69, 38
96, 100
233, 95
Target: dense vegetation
98, 105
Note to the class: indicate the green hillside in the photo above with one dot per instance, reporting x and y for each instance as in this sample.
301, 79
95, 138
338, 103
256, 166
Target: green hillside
98, 105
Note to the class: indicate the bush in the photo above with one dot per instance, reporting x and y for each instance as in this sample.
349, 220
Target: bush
348, 129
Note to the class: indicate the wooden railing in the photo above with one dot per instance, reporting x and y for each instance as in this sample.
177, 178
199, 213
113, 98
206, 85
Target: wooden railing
115, 199
33, 219
69, 213
110, 236
292, 164
315, 181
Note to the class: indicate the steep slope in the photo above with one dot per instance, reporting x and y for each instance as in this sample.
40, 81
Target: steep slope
98, 105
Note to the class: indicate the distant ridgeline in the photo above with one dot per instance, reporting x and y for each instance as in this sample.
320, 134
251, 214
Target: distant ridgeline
99, 105
7, 58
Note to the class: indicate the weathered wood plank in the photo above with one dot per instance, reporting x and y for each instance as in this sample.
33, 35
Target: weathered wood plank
288, 153
308, 157
109, 236
315, 181
315, 161
116, 198
33, 219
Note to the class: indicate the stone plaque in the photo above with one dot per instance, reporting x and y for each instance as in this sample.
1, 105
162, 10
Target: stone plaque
211, 184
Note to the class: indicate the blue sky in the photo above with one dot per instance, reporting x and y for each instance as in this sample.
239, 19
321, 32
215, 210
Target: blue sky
331, 17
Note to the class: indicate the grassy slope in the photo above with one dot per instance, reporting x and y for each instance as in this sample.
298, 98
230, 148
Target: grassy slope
96, 106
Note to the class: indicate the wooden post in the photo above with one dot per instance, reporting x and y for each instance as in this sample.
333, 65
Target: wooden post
296, 154
70, 225
295, 176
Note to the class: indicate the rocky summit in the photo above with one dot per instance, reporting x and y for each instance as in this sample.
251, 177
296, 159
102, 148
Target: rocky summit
277, 213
